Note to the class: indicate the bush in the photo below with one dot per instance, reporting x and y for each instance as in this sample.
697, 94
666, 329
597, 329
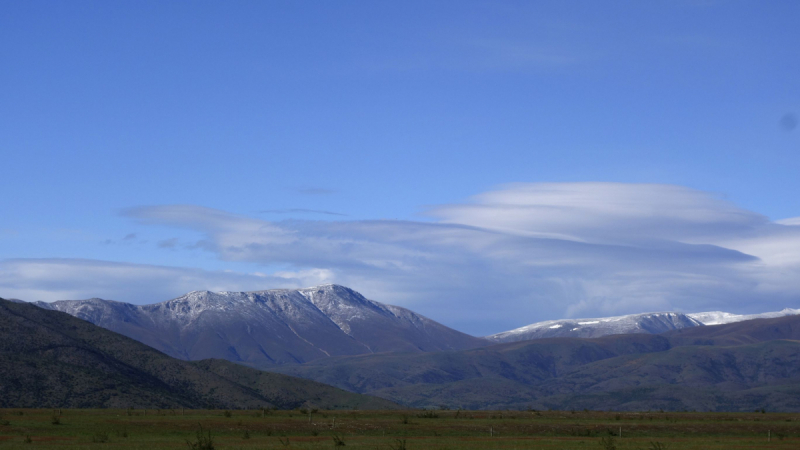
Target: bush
607, 442
100, 437
401, 445
202, 441
338, 441
227, 413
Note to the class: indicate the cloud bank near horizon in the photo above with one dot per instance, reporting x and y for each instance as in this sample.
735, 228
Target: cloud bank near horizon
51, 279
504, 258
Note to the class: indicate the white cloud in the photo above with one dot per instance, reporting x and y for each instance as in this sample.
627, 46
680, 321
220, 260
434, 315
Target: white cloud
603, 212
519, 254
63, 279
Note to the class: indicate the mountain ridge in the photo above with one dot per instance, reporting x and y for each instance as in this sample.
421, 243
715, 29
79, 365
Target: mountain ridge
290, 326
645, 323
269, 327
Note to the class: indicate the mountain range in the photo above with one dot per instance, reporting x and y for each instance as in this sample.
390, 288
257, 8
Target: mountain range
282, 326
49, 359
270, 327
739, 366
333, 335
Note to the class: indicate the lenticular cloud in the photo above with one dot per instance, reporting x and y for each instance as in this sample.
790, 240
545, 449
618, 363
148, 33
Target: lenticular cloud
526, 252
604, 212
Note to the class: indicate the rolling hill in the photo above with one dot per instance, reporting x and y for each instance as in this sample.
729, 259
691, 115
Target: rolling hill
51, 359
738, 366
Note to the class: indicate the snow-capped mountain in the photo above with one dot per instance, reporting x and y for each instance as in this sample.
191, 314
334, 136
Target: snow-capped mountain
293, 326
651, 323
719, 317
270, 327
648, 323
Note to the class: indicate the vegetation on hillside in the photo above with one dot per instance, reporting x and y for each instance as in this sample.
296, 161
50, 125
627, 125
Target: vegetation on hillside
53, 360
735, 367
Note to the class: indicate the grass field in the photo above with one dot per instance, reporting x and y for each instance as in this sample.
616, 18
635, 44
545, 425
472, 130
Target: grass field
257, 429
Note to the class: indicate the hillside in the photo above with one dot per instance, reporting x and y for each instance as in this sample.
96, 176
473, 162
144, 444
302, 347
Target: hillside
51, 359
754, 365
271, 327
738, 333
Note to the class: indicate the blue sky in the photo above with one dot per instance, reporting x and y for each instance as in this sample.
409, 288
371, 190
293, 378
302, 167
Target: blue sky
406, 149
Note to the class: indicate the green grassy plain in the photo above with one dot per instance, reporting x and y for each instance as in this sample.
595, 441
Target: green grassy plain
438, 430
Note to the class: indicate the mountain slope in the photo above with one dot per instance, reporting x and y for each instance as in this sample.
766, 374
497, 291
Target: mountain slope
754, 363
527, 362
271, 327
763, 375
739, 333
50, 359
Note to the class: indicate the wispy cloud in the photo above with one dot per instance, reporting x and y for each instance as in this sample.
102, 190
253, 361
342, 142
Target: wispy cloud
533, 250
62, 279
300, 211
604, 212
521, 253
129, 238
168, 243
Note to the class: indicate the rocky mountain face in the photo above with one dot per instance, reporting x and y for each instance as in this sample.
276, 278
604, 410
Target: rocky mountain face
271, 327
50, 360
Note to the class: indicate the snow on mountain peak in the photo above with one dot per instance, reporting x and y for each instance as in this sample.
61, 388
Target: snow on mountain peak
272, 326
657, 322
719, 317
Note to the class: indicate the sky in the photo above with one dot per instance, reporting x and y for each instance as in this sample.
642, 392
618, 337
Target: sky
488, 164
